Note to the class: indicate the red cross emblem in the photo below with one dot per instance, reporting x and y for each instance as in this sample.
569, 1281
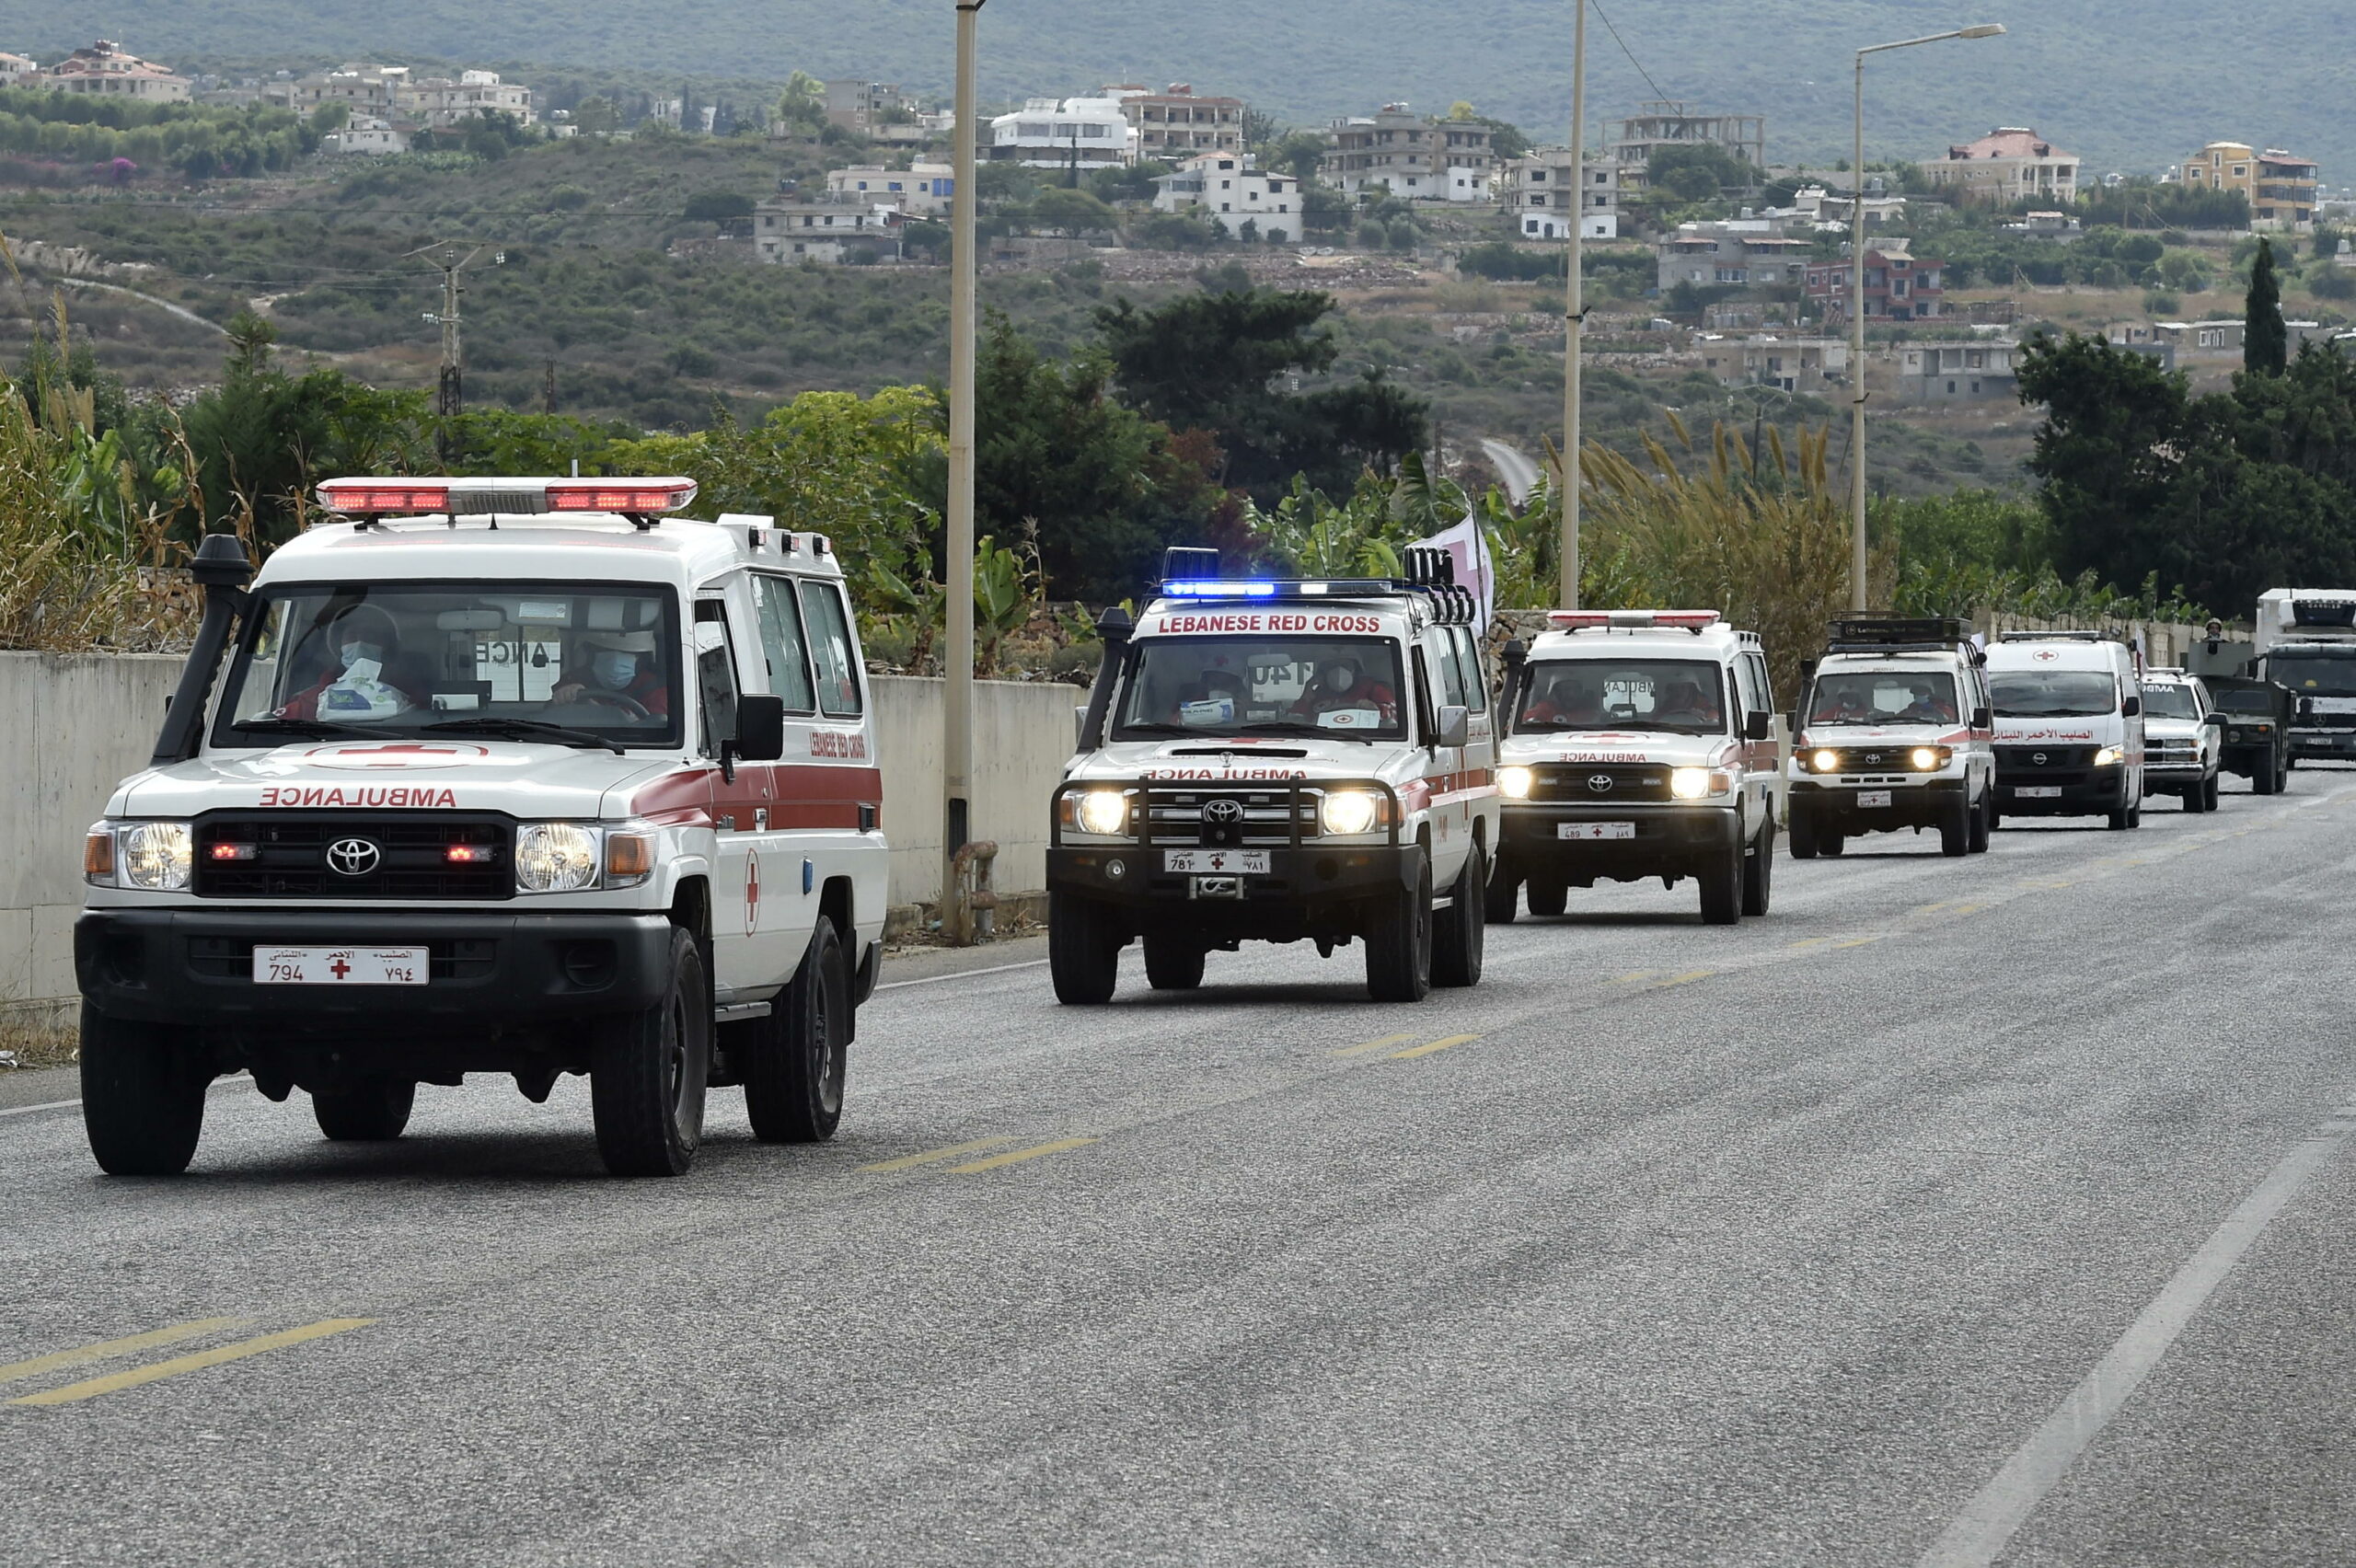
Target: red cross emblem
339, 968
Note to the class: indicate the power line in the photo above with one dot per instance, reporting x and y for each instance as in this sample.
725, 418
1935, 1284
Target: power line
1631, 53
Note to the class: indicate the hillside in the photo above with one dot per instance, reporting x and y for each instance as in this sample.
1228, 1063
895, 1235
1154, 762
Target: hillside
2128, 84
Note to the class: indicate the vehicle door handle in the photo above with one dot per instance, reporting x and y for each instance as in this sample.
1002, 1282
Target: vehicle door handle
760, 819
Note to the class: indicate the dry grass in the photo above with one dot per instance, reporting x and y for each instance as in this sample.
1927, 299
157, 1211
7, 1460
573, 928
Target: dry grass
39, 1040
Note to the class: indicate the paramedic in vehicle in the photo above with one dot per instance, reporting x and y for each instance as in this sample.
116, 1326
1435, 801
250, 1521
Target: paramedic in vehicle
1568, 701
363, 636
621, 665
1682, 703
1214, 686
1341, 688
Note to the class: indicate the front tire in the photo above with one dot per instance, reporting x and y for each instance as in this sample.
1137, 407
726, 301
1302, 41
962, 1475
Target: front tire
647, 1072
370, 1112
2209, 794
1458, 931
1399, 947
1954, 829
1804, 844
1083, 951
1722, 888
1501, 899
1171, 965
1548, 899
1984, 822
143, 1095
1758, 874
800, 1057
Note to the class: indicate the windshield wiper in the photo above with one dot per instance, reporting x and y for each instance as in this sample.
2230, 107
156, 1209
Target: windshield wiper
1163, 730
1302, 727
524, 728
309, 729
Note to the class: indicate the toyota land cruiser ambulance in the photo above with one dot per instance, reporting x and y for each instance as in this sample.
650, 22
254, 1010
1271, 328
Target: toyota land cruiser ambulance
1641, 746
2069, 711
514, 775
1893, 730
1280, 761
2183, 738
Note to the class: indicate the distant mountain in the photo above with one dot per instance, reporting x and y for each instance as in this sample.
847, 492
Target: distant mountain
2132, 85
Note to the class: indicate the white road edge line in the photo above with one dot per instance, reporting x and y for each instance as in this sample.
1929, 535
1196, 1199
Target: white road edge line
29, 1109
962, 975
1996, 1512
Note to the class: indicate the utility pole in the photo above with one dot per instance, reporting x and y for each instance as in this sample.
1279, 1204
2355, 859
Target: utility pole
957, 727
449, 395
1575, 315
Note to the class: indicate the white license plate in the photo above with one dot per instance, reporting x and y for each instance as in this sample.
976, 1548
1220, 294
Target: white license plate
341, 966
1593, 831
1216, 862
2039, 791
1873, 797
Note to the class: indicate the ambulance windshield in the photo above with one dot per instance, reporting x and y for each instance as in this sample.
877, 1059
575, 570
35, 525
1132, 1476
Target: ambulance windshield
1681, 696
1262, 684
1883, 696
520, 661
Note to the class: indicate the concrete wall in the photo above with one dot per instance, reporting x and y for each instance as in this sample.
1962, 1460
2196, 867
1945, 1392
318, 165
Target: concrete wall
77, 725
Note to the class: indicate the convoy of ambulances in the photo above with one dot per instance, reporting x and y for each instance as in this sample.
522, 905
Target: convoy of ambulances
2069, 711
1894, 730
1280, 761
495, 776
1641, 745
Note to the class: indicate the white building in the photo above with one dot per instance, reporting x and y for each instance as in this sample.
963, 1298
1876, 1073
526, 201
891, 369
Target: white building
923, 190
108, 70
1541, 192
1080, 133
1395, 152
438, 102
2011, 164
366, 133
1226, 188
831, 233
16, 71
1795, 364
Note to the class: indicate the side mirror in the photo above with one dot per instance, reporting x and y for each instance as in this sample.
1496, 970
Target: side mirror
2218, 719
761, 727
1455, 727
1982, 718
1758, 726
2132, 707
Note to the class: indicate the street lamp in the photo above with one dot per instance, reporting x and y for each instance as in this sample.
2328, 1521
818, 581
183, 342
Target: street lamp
1857, 308
957, 722
1575, 315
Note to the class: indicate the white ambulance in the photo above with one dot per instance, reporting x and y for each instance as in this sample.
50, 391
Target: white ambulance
1642, 744
508, 776
1280, 761
2069, 711
1894, 731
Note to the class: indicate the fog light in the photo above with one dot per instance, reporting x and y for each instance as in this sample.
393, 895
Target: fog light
1115, 870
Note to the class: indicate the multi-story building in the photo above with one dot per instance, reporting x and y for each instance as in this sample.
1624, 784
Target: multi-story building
1959, 373
1542, 192
366, 133
1176, 125
108, 70
363, 89
1795, 364
438, 102
1739, 253
2010, 164
922, 190
1662, 123
830, 232
1227, 190
2281, 187
1414, 157
16, 71
1080, 132
1900, 286
866, 107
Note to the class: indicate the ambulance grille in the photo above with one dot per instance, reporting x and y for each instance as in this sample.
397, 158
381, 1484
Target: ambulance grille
296, 855
1600, 783
1174, 816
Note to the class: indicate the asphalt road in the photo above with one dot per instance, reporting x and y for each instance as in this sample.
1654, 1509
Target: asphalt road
1958, 1212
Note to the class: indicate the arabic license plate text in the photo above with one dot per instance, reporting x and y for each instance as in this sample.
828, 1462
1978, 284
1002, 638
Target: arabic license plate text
2039, 791
1873, 797
341, 966
1595, 832
1216, 862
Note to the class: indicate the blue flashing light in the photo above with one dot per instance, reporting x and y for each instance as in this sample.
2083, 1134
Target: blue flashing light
1202, 590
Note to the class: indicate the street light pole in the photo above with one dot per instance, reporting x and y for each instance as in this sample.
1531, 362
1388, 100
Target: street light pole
1857, 493
1575, 316
957, 726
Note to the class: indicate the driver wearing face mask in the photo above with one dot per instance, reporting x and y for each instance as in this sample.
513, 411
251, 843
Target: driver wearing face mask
618, 664
1341, 686
361, 636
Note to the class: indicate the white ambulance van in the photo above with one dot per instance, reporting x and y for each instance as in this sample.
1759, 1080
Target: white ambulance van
1894, 733
1284, 761
1642, 746
511, 775
2069, 710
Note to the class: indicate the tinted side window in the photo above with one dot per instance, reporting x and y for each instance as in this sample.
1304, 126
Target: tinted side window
1753, 689
1476, 684
1451, 671
715, 675
782, 644
830, 651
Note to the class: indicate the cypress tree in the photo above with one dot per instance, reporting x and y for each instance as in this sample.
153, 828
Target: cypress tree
2266, 342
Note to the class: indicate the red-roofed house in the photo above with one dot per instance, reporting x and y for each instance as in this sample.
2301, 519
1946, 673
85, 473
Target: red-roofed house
2007, 165
107, 68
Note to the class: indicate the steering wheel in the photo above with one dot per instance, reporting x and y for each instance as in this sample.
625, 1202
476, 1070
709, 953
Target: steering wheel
628, 705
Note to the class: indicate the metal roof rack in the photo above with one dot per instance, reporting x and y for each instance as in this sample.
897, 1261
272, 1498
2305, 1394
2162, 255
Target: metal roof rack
1194, 574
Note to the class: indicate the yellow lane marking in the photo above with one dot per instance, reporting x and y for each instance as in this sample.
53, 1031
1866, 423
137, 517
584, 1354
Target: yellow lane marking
92, 1387
1970, 908
1855, 942
1812, 942
1018, 1155
57, 1361
1632, 979
910, 1161
1449, 1043
1686, 979
1386, 1040
1929, 909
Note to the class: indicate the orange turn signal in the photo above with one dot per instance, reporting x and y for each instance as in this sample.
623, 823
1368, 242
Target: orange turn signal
98, 855
629, 854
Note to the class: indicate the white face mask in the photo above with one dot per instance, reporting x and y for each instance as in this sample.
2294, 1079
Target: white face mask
355, 652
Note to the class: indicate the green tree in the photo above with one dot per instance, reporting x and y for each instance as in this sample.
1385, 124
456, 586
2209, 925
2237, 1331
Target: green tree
2266, 341
1299, 152
1698, 171
596, 117
717, 206
1073, 212
2106, 450
803, 102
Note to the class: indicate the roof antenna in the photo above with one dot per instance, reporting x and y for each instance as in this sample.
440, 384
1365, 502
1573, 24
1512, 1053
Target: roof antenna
576, 468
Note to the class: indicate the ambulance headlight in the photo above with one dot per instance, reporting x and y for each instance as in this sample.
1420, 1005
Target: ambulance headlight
155, 856
1103, 811
1826, 762
1927, 759
1515, 783
1693, 783
1347, 812
2109, 756
556, 856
